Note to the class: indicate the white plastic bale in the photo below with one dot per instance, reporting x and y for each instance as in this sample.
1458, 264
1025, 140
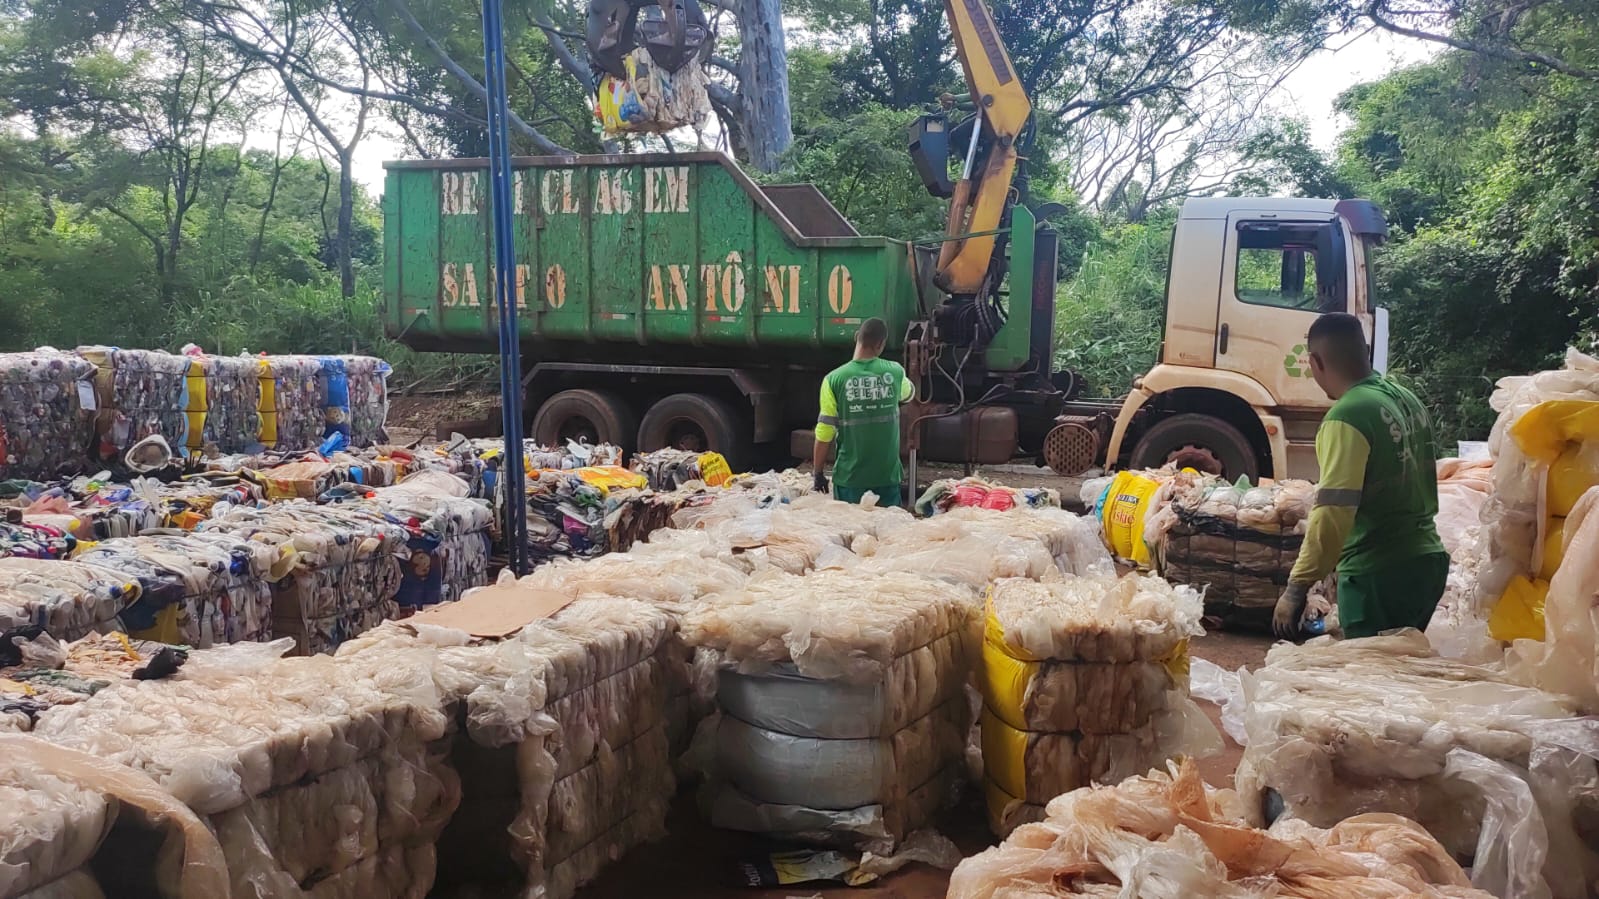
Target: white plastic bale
913, 685
1511, 515
1128, 619
782, 769
829, 624
164, 843
71, 599
49, 825
227, 729
1567, 661
288, 841
1097, 698
1370, 725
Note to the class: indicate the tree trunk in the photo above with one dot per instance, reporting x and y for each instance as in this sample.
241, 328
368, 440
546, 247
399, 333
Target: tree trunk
344, 238
768, 131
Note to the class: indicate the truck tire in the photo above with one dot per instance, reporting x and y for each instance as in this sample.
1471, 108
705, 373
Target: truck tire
1201, 442
699, 423
597, 416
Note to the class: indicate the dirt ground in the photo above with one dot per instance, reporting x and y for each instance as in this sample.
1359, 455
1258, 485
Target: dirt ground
698, 862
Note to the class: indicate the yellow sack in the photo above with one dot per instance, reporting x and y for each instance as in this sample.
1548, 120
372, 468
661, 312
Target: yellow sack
267, 406
1544, 431
165, 629
1123, 516
1554, 536
1004, 754
611, 477
615, 95
1004, 679
1006, 812
714, 470
1570, 476
1518, 615
199, 404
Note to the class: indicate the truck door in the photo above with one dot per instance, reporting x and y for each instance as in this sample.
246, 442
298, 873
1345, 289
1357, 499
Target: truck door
1279, 272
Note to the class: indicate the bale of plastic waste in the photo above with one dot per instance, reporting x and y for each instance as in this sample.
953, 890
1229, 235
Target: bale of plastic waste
1382, 724
1084, 681
47, 413
842, 713
1236, 541
652, 100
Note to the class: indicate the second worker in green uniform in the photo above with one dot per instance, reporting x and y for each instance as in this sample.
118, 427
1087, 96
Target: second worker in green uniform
1376, 499
860, 411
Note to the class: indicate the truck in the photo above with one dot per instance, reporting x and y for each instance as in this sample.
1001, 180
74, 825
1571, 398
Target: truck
669, 300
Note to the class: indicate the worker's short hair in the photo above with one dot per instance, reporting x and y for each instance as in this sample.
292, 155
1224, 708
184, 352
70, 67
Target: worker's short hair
1341, 338
873, 332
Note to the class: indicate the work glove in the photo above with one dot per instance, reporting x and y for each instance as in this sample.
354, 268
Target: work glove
1290, 608
819, 481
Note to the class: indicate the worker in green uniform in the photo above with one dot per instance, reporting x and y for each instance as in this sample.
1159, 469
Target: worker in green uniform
1375, 502
860, 410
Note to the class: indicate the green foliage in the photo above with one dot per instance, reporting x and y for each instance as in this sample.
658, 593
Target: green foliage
859, 163
1108, 319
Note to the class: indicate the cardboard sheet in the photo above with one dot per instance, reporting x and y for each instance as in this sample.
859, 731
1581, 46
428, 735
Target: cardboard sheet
495, 611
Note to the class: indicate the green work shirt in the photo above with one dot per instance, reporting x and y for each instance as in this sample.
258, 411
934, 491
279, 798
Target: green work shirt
1378, 492
860, 408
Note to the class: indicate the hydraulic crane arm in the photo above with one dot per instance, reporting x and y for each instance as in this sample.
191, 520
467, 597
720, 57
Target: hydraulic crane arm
978, 204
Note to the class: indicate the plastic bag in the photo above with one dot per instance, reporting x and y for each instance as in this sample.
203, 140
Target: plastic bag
1511, 851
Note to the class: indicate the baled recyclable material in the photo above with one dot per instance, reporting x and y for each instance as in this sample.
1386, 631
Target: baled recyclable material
293, 402
1545, 448
344, 571
218, 581
233, 404
671, 469
69, 599
943, 495
1372, 725
1172, 835
977, 546
1565, 658
47, 413
1084, 680
62, 811
367, 378
842, 717
140, 394
570, 709
1238, 543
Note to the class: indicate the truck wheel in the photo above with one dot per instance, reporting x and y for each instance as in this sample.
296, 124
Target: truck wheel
698, 423
1197, 441
595, 416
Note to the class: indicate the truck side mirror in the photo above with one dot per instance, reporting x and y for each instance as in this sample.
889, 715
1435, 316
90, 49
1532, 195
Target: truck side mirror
1332, 265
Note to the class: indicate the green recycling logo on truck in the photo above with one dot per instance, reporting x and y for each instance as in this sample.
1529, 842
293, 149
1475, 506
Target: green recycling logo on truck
1297, 362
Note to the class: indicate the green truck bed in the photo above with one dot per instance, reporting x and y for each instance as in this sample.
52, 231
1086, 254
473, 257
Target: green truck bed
638, 259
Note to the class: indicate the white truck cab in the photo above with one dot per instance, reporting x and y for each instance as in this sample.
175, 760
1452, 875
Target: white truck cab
1231, 391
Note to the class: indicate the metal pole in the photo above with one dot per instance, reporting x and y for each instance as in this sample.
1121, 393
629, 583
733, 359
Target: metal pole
512, 475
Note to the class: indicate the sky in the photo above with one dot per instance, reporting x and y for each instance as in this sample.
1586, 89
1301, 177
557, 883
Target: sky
1308, 94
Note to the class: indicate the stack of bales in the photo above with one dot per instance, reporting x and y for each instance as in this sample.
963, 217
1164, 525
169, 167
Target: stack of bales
1084, 681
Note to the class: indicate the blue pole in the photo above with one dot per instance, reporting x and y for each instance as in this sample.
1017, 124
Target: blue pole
505, 299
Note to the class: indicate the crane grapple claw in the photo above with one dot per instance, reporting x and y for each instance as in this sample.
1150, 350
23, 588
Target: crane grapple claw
674, 32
